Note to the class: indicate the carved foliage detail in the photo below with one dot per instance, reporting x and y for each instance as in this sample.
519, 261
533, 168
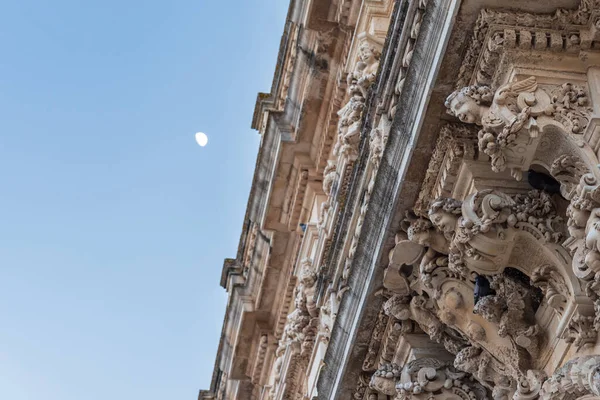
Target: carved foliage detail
508, 116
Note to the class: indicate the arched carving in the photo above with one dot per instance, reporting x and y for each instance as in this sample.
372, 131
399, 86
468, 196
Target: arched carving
487, 233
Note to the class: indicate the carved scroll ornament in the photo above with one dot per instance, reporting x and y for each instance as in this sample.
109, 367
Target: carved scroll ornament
512, 118
482, 229
426, 378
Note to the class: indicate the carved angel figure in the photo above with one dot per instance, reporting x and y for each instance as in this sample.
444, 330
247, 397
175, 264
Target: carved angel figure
418, 311
329, 177
444, 213
512, 309
365, 71
422, 232
503, 115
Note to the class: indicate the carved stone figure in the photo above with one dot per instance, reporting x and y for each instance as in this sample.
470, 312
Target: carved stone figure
329, 177
482, 228
512, 109
359, 82
418, 311
365, 71
511, 112
384, 379
486, 370
426, 377
512, 308
348, 125
577, 378
444, 214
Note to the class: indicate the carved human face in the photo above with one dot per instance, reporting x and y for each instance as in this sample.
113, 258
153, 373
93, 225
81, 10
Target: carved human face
366, 54
466, 109
421, 238
444, 221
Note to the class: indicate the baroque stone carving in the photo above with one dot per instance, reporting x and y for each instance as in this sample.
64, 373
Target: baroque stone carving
384, 379
487, 370
417, 310
421, 310
329, 177
553, 286
512, 309
492, 33
369, 363
481, 229
577, 378
455, 143
426, 377
568, 170
508, 116
359, 82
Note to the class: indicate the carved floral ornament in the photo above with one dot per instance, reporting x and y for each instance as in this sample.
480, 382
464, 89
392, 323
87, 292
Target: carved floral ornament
497, 338
424, 378
513, 117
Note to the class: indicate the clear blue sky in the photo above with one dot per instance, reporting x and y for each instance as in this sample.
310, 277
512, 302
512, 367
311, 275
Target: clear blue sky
113, 223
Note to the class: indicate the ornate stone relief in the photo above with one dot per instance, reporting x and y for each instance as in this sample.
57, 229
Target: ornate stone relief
455, 143
497, 30
577, 378
553, 286
512, 309
426, 378
410, 33
460, 238
300, 330
423, 312
451, 241
482, 229
513, 117
359, 82
370, 362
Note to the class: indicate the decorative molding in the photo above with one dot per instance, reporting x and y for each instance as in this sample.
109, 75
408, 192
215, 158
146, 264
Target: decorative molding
570, 30
577, 378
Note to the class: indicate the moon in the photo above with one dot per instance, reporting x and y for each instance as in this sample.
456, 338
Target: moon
201, 139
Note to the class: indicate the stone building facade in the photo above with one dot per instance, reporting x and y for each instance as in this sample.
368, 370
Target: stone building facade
424, 219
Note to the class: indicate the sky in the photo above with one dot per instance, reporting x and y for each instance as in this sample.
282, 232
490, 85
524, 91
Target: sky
114, 223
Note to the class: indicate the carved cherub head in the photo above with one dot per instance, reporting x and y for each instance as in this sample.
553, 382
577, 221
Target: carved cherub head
419, 232
470, 103
398, 307
444, 213
368, 54
308, 277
